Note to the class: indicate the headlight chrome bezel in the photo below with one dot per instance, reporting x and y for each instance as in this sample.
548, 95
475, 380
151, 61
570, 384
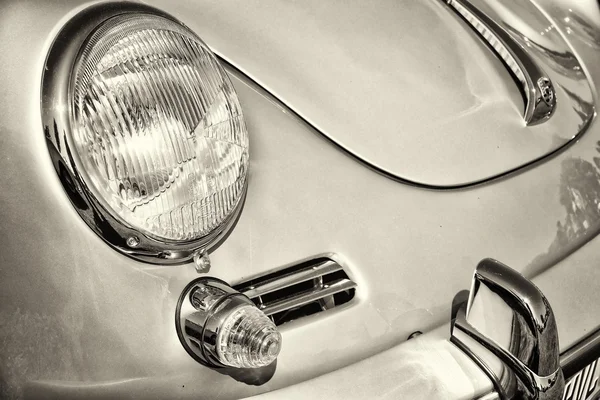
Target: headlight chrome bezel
56, 91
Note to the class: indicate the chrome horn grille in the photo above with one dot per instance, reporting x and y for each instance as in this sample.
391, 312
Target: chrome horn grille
308, 288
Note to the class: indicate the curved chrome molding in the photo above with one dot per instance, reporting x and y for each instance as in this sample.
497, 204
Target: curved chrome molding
56, 81
583, 353
508, 329
581, 366
540, 99
537, 69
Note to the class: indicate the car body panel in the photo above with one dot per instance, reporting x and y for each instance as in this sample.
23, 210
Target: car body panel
405, 86
78, 314
426, 367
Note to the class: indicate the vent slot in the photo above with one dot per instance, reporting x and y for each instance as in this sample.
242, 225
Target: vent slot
305, 289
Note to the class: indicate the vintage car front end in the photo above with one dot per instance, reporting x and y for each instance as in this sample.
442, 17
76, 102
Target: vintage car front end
347, 225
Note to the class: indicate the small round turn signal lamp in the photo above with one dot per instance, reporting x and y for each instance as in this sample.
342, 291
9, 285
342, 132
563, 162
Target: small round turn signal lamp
221, 327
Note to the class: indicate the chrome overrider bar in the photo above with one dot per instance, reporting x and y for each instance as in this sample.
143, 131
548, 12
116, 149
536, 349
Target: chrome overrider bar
507, 327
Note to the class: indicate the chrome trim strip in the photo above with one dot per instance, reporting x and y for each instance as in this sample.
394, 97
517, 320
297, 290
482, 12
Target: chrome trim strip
308, 297
551, 78
281, 282
535, 83
56, 81
584, 352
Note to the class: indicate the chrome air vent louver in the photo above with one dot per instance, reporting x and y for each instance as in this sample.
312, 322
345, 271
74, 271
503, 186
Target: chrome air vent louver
308, 288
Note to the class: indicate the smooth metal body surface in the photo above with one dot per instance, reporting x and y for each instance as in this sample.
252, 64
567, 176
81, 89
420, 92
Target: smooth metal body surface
101, 324
419, 99
509, 329
57, 125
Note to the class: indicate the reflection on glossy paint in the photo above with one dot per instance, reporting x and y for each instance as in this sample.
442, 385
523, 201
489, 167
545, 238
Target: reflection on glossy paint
579, 194
577, 25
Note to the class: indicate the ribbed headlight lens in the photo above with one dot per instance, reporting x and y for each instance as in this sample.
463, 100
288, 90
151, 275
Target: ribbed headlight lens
157, 132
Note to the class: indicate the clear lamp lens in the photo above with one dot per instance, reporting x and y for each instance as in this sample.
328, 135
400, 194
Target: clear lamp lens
158, 130
248, 339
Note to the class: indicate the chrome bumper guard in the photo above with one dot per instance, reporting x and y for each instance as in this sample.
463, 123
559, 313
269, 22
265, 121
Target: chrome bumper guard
508, 329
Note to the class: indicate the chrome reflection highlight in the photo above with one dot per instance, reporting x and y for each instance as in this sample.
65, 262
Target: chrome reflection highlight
549, 75
309, 287
581, 355
145, 130
508, 328
540, 102
220, 327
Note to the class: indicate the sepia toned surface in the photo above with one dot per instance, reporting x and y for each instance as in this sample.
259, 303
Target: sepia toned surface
79, 319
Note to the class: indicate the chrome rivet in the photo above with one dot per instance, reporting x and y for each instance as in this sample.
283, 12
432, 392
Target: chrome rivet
133, 241
201, 261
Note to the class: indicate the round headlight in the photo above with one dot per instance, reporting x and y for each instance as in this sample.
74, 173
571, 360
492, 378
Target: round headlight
149, 128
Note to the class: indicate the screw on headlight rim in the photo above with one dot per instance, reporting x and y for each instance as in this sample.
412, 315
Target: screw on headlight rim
133, 241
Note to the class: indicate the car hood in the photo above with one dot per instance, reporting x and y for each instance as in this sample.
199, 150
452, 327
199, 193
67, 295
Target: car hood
406, 86
98, 316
